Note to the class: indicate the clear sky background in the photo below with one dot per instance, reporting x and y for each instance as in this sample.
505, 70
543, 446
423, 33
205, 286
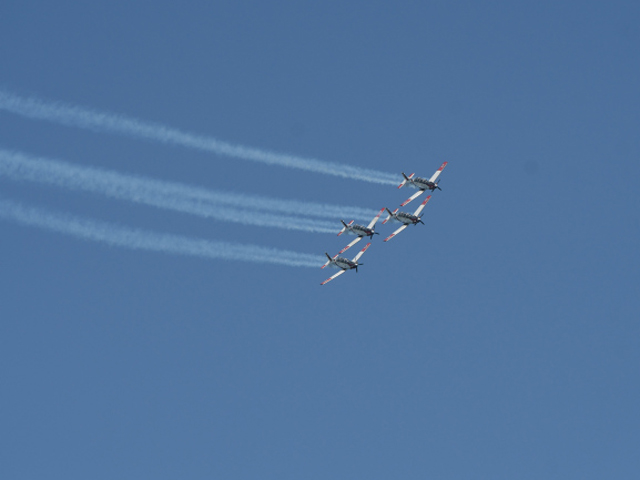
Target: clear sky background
498, 341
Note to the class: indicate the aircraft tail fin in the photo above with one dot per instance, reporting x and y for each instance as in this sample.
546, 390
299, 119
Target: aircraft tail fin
406, 179
328, 261
345, 226
389, 216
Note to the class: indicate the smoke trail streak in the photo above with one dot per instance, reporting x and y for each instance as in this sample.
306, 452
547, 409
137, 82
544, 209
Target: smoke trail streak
144, 240
173, 196
197, 193
80, 117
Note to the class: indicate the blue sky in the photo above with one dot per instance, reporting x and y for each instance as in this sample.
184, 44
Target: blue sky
499, 340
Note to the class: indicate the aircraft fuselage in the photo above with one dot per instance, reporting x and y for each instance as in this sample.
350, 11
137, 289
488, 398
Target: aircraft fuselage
360, 230
423, 184
407, 218
345, 263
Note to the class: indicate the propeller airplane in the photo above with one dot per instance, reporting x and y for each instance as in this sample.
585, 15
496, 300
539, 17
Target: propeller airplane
421, 184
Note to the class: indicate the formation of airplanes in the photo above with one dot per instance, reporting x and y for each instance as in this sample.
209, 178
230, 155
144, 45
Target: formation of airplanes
361, 231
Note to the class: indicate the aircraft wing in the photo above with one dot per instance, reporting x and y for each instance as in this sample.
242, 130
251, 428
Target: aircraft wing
422, 205
350, 245
373, 222
395, 233
412, 198
438, 172
333, 276
357, 257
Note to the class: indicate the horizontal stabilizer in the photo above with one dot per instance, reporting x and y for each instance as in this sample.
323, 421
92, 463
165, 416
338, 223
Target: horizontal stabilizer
328, 261
344, 228
389, 216
406, 179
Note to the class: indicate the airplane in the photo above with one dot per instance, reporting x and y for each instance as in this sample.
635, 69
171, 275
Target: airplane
421, 184
344, 263
359, 230
406, 218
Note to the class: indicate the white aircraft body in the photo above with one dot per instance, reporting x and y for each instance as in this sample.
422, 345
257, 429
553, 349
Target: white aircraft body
421, 184
406, 218
359, 230
344, 264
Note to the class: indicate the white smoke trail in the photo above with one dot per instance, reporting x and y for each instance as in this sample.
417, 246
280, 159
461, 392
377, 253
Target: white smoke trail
144, 240
81, 117
201, 194
173, 196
